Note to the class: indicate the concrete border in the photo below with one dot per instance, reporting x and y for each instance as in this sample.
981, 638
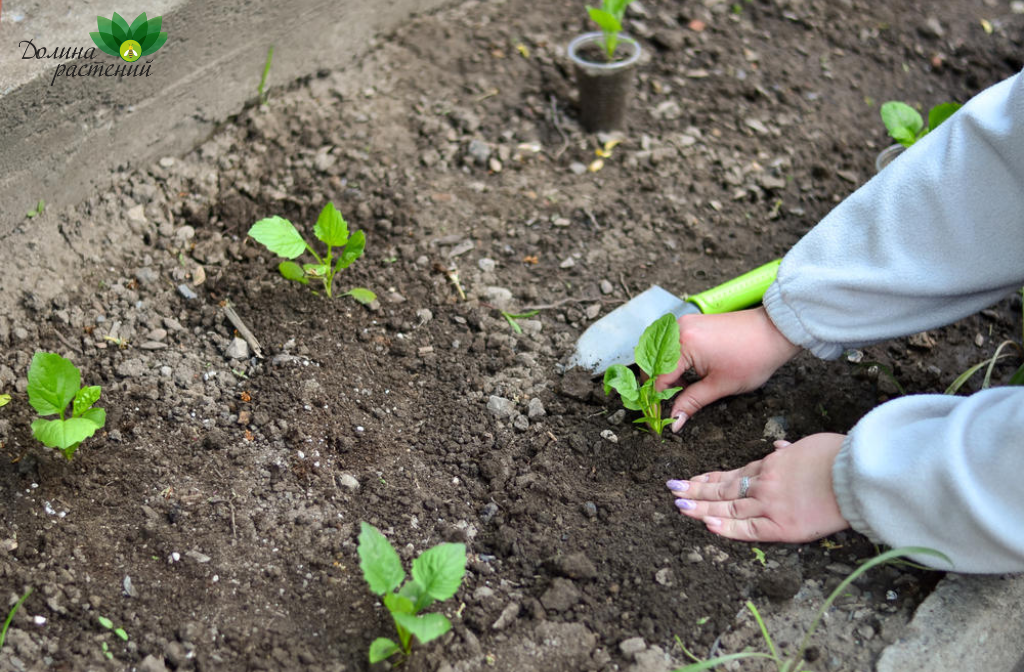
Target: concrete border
967, 623
61, 142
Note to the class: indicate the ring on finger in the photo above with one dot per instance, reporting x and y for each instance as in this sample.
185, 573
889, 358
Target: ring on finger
744, 486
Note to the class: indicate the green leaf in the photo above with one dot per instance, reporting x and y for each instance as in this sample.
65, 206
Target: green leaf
279, 236
159, 42
622, 380
52, 383
940, 113
1016, 379
84, 399
362, 295
100, 40
4, 400
902, 121
291, 271
353, 250
382, 648
119, 29
439, 570
315, 270
399, 604
105, 622
658, 350
97, 416
381, 565
606, 20
331, 226
152, 31
426, 627
667, 393
138, 30
63, 433
121, 633
410, 591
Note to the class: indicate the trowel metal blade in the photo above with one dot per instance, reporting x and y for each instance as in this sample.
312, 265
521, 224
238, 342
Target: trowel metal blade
613, 338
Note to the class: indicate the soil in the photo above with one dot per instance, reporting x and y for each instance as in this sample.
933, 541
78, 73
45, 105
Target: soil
215, 518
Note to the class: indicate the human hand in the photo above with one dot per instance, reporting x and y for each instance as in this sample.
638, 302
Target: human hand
788, 498
732, 353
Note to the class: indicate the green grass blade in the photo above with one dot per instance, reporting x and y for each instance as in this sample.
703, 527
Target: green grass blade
715, 662
10, 616
764, 630
877, 560
992, 364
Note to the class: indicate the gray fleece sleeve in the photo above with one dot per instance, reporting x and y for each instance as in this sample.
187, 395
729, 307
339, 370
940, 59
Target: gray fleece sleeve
937, 236
941, 472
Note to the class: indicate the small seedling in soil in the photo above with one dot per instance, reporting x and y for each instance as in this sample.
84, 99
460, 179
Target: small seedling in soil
436, 576
1016, 379
511, 319
10, 616
280, 237
759, 556
4, 400
109, 625
795, 663
609, 18
655, 354
38, 210
53, 383
905, 124
261, 92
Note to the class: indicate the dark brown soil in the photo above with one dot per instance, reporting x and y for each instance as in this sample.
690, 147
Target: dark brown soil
216, 519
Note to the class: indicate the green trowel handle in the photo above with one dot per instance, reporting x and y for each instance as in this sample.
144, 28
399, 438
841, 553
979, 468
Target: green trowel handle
746, 290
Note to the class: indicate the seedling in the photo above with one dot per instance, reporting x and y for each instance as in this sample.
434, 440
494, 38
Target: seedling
759, 556
989, 365
53, 383
511, 319
38, 210
109, 625
656, 353
609, 18
4, 400
10, 616
905, 124
795, 663
280, 237
261, 93
436, 576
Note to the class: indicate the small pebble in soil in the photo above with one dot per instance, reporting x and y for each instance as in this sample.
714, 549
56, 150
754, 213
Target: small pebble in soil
609, 435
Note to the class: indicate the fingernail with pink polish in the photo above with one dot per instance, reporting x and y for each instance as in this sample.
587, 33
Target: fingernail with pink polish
678, 486
685, 504
681, 419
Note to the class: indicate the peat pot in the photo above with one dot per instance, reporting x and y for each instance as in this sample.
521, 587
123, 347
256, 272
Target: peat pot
886, 156
605, 87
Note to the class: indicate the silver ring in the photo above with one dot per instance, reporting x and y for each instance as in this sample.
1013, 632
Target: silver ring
744, 486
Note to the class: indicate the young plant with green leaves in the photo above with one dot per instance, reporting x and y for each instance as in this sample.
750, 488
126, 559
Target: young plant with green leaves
609, 17
656, 353
795, 663
436, 576
905, 124
282, 238
53, 383
38, 210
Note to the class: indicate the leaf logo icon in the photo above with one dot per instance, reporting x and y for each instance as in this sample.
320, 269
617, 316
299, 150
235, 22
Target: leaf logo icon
129, 42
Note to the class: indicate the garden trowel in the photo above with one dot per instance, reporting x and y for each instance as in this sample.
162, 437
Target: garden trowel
612, 339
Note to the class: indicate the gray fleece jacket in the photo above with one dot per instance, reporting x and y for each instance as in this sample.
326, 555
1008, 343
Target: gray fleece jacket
936, 236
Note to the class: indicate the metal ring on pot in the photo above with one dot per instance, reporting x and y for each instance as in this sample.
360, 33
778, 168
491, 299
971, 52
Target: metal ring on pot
587, 38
